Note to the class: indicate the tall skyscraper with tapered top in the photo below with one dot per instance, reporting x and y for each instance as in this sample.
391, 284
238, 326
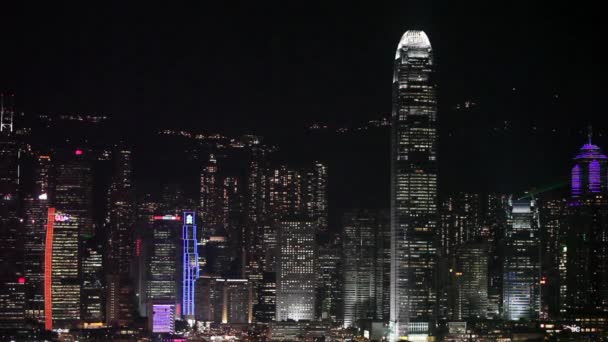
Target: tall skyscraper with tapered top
414, 213
584, 249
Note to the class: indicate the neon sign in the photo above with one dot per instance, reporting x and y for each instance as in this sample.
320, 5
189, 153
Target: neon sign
59, 217
167, 218
190, 267
48, 264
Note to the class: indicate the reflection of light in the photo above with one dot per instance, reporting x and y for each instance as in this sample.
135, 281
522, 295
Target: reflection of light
43, 197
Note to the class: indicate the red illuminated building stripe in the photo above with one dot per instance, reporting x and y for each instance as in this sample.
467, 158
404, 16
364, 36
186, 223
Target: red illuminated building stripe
48, 268
166, 218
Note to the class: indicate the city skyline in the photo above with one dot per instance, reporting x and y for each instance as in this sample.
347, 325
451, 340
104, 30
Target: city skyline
216, 176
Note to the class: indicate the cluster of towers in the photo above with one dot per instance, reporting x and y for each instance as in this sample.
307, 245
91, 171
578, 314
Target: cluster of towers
256, 246
508, 258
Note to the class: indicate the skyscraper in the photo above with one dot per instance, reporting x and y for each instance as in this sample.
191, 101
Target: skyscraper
164, 277
120, 222
329, 280
10, 242
414, 212
471, 281
69, 223
296, 266
521, 264
211, 195
190, 271
585, 247
359, 268
35, 208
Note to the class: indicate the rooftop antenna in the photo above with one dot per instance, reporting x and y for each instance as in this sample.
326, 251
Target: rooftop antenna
589, 133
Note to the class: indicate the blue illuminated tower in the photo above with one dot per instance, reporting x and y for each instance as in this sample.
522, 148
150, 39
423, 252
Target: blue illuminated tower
191, 270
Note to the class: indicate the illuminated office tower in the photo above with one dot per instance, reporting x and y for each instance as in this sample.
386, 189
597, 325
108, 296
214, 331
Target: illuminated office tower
553, 219
257, 213
585, 243
315, 194
265, 308
69, 223
366, 267
296, 267
383, 266
211, 195
359, 268
234, 221
223, 300
414, 212
10, 243
460, 221
495, 218
164, 272
329, 279
92, 283
120, 222
190, 270
521, 264
35, 208
285, 192
471, 281
144, 229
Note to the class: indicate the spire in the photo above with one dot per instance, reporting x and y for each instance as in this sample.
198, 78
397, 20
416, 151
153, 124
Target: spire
589, 133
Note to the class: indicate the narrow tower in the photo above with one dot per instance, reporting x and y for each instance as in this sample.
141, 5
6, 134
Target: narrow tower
191, 269
414, 216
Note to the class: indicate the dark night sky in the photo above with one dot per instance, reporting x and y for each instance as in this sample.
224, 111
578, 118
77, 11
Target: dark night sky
267, 64
269, 68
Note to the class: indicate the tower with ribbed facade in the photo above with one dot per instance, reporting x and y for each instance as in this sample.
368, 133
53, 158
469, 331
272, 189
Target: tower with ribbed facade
414, 212
584, 249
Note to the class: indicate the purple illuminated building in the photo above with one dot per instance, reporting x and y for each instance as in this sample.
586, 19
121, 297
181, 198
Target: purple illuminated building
584, 247
589, 172
190, 268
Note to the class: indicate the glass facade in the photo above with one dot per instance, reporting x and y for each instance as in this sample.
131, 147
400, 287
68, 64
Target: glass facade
521, 265
414, 212
190, 267
296, 271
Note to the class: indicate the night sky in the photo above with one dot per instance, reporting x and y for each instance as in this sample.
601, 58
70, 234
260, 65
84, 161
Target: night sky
270, 64
268, 68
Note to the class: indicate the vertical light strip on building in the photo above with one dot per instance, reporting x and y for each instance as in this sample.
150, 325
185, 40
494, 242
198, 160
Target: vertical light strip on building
191, 270
48, 262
